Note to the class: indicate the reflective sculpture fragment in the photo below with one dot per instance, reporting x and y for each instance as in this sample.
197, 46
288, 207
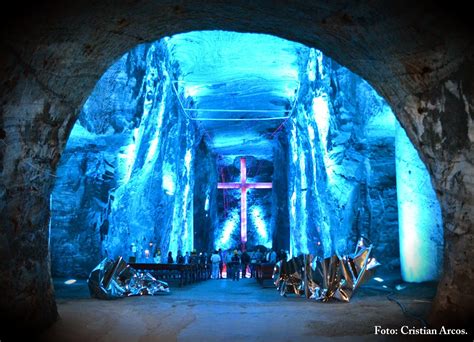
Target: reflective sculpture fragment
323, 279
115, 279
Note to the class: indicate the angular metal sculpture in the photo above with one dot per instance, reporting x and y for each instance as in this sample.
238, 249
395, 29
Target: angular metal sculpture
115, 279
323, 279
288, 276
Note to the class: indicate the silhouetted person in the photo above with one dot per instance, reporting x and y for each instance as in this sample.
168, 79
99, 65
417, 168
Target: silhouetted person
235, 261
282, 255
203, 258
180, 258
170, 258
254, 260
245, 259
157, 256
194, 258
215, 259
228, 262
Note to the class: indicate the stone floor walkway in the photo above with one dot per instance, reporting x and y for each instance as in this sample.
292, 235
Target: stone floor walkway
223, 310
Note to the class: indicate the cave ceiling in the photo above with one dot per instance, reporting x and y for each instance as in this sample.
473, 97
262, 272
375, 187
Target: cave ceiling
238, 88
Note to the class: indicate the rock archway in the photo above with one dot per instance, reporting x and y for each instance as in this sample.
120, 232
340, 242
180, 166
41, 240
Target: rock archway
419, 57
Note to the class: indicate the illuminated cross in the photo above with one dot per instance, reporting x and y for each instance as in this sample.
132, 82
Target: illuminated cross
243, 186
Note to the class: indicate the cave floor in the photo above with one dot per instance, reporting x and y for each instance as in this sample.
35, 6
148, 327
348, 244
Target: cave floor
223, 310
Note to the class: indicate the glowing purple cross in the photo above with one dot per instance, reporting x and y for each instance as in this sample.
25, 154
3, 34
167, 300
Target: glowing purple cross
243, 186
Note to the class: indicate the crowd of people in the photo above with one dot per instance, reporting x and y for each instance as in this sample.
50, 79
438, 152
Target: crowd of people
232, 263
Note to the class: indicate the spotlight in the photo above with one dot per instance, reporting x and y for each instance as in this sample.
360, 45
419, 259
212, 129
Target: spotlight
70, 281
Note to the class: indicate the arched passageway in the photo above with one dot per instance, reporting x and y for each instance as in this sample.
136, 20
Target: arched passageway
417, 56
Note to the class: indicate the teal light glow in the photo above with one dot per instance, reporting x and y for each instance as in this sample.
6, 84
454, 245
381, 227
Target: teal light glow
206, 203
420, 223
322, 117
168, 180
294, 246
230, 225
192, 90
187, 233
188, 157
157, 130
256, 216
128, 157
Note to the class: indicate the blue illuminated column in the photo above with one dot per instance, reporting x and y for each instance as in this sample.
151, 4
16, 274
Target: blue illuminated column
419, 215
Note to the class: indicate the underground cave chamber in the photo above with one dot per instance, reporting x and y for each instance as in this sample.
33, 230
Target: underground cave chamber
170, 120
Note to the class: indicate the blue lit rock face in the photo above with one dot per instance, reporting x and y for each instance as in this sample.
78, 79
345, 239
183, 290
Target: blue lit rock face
205, 198
91, 167
126, 175
154, 202
421, 228
280, 208
341, 180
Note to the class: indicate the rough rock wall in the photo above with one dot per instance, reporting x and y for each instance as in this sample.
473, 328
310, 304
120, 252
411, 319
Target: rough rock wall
126, 175
79, 202
53, 54
342, 169
153, 202
361, 144
205, 198
446, 111
91, 166
280, 220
